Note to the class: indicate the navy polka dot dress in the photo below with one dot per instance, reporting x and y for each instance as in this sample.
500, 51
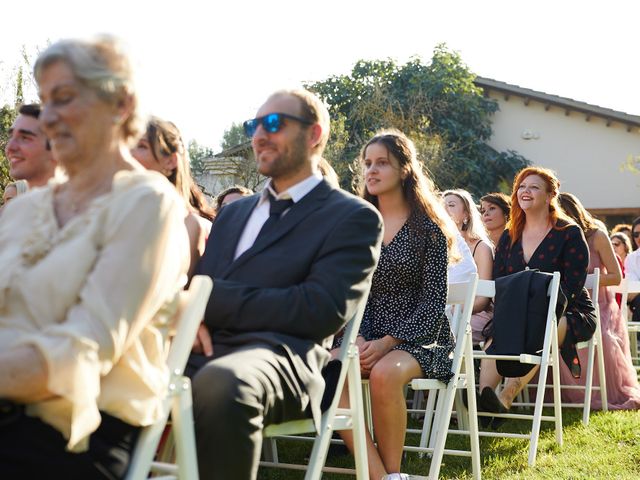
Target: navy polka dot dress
408, 297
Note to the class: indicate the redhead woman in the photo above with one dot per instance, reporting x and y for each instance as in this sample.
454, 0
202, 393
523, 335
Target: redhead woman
623, 391
495, 209
542, 236
90, 268
161, 149
465, 215
404, 332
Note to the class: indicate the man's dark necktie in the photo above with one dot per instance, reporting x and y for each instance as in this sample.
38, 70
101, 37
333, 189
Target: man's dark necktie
276, 208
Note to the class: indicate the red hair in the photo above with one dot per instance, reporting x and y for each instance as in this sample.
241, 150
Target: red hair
518, 218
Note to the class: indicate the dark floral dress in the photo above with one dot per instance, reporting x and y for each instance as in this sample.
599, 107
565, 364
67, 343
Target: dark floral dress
564, 250
408, 297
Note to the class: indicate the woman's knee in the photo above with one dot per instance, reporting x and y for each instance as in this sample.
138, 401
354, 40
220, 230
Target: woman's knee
386, 376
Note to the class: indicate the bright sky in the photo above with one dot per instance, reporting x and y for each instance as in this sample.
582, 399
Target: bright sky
205, 64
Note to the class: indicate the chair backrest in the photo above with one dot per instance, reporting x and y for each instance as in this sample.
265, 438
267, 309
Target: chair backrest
593, 285
191, 307
351, 330
487, 288
626, 287
461, 296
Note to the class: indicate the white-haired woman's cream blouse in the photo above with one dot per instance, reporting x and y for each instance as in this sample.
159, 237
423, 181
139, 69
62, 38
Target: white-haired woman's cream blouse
94, 298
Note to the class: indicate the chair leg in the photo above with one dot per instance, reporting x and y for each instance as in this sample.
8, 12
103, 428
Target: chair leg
557, 402
542, 380
319, 451
182, 418
270, 450
357, 419
588, 384
416, 402
441, 426
428, 417
461, 411
323, 438
441, 395
368, 414
601, 370
472, 419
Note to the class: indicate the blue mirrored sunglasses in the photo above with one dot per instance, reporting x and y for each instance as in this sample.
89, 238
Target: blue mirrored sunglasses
272, 123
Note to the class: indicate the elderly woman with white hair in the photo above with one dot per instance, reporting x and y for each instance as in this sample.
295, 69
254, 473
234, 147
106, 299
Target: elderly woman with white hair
89, 268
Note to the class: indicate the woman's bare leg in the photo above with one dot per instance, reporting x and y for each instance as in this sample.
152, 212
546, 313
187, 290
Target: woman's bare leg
387, 381
513, 386
489, 376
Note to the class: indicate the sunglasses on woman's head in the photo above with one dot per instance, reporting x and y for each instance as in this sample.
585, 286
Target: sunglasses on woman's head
272, 123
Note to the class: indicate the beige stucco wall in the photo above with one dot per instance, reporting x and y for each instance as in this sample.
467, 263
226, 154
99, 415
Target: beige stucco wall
586, 155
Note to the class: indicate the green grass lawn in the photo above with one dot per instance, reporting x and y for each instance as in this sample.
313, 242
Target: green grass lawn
608, 448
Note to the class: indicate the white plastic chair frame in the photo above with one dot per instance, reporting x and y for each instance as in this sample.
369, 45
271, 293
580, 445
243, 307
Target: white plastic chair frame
461, 296
548, 358
333, 418
178, 400
594, 346
625, 288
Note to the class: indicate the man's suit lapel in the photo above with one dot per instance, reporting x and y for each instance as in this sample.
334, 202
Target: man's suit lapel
298, 212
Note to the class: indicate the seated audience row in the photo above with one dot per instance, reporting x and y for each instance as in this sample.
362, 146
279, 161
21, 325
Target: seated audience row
82, 363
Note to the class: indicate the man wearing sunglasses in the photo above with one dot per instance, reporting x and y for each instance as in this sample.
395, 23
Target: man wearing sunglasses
289, 266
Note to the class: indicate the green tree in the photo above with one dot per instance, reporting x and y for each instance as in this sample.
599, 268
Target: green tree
233, 136
437, 105
197, 154
7, 116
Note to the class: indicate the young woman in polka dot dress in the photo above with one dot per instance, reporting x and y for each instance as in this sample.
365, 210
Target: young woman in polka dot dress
540, 235
404, 332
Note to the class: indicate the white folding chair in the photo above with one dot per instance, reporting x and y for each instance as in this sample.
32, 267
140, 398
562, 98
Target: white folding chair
178, 400
333, 418
461, 297
548, 357
594, 346
625, 288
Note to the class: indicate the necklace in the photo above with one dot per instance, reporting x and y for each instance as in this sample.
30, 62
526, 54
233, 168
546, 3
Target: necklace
76, 202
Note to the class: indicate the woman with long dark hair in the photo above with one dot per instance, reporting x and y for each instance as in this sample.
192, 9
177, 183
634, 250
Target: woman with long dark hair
623, 391
161, 149
404, 332
495, 209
